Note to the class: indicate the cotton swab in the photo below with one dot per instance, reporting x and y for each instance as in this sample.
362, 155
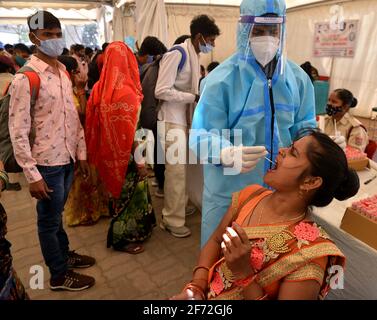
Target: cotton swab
270, 161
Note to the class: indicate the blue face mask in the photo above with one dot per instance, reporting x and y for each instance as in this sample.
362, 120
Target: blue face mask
207, 48
52, 47
20, 61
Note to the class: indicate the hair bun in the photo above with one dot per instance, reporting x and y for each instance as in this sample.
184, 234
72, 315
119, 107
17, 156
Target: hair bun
354, 103
349, 187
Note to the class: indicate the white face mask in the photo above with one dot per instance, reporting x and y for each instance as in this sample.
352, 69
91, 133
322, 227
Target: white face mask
52, 47
207, 48
264, 48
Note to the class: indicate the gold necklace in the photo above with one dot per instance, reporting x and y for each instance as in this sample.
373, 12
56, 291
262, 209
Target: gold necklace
292, 219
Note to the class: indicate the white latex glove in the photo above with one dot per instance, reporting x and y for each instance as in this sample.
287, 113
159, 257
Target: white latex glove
242, 158
340, 141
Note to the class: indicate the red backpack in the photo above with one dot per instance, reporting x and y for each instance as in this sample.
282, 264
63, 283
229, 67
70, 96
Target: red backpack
6, 148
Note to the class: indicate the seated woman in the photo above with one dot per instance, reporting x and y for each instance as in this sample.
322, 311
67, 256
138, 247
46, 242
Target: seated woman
339, 120
271, 249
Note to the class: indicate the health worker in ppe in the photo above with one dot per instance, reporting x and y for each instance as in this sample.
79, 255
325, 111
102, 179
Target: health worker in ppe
252, 104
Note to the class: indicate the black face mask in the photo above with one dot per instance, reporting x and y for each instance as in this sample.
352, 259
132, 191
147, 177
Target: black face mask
333, 110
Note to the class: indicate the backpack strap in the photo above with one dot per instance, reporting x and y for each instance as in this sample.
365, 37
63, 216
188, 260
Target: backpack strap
67, 74
184, 56
34, 82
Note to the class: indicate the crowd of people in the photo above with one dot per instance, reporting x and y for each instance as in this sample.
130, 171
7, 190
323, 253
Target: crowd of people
75, 141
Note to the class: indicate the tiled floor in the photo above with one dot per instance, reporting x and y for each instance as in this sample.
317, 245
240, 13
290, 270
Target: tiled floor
157, 273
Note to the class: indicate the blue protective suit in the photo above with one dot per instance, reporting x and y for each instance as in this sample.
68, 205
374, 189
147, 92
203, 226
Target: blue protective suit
237, 96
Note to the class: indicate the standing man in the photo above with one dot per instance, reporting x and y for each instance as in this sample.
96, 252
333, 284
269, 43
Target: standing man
47, 158
178, 91
21, 54
149, 49
259, 99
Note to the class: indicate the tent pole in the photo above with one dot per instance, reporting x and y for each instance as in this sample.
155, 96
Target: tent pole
104, 24
332, 69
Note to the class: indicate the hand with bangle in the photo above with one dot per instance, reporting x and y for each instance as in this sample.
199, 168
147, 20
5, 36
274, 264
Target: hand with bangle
236, 248
193, 290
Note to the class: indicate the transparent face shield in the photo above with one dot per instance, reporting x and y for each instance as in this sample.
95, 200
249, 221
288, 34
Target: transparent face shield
263, 39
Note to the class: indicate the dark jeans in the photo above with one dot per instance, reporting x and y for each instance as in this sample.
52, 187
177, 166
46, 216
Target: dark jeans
159, 169
52, 237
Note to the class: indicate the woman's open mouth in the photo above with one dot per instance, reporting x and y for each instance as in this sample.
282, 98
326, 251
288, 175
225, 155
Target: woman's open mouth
275, 166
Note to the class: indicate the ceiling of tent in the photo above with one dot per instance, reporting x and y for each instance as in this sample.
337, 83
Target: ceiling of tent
71, 12
290, 3
90, 4
73, 17
15, 11
55, 4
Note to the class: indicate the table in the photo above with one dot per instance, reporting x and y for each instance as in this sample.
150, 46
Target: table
360, 280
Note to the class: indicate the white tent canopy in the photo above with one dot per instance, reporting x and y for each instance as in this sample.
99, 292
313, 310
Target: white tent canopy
61, 4
74, 17
356, 74
290, 3
72, 13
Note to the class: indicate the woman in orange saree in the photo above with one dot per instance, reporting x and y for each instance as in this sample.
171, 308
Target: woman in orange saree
112, 116
111, 122
267, 247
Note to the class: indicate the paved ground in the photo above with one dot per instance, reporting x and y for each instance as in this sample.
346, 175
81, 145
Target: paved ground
157, 273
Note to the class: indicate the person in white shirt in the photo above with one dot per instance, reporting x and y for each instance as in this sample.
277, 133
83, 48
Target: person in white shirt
178, 91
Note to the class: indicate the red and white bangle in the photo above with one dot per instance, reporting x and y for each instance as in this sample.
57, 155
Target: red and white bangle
195, 288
